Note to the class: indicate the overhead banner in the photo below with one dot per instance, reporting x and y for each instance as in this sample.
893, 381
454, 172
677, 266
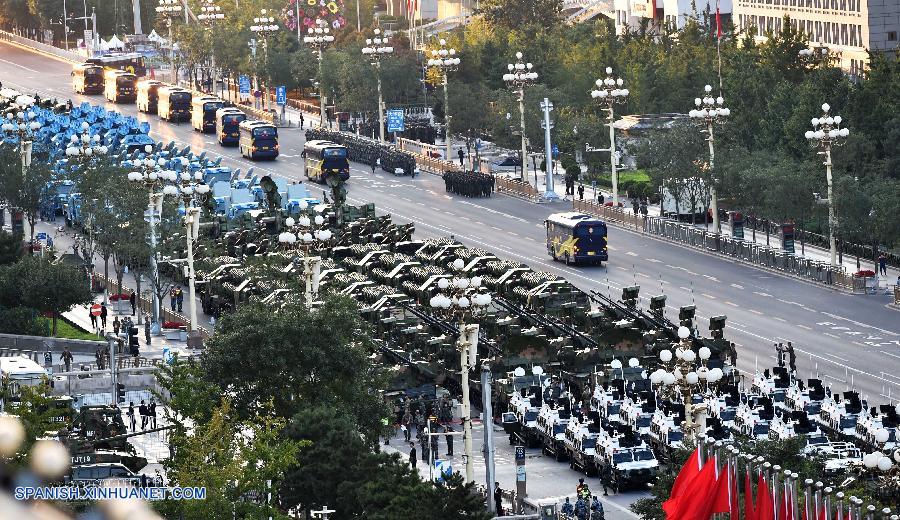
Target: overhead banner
642, 8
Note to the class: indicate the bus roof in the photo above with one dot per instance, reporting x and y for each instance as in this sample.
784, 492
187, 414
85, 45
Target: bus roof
208, 99
149, 82
573, 218
20, 367
228, 110
170, 89
117, 56
86, 66
321, 143
255, 123
110, 73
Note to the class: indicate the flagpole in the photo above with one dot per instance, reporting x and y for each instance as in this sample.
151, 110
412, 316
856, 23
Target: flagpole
806, 495
795, 477
827, 502
818, 498
840, 505
776, 491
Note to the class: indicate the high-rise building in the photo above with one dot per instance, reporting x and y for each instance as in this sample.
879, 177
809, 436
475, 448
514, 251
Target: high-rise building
671, 13
847, 28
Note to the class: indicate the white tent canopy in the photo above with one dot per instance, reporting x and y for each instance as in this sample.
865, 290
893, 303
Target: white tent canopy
153, 36
104, 46
116, 43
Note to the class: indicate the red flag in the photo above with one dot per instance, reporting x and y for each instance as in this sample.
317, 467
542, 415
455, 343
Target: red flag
718, 22
785, 510
700, 498
735, 512
690, 470
765, 503
749, 507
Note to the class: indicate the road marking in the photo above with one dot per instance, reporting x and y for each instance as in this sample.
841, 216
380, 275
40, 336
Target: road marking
653, 260
711, 297
630, 253
836, 356
889, 354
830, 335
406, 199
754, 311
779, 319
466, 218
835, 316
765, 295
804, 327
20, 66
736, 286
496, 228
732, 304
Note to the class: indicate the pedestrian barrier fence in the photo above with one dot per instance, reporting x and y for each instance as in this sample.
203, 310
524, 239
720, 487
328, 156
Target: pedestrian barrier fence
758, 255
426, 162
42, 47
517, 188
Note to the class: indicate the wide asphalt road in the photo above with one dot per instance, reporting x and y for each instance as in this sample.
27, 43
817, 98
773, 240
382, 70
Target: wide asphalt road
850, 340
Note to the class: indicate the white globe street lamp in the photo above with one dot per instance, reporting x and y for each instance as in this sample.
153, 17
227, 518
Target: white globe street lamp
610, 92
710, 111
210, 14
169, 9
264, 26
827, 133
445, 60
319, 38
520, 75
376, 48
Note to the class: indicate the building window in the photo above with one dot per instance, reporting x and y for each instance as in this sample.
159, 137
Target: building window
892, 36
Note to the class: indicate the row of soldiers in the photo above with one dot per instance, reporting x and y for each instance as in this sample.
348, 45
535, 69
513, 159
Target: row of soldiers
469, 184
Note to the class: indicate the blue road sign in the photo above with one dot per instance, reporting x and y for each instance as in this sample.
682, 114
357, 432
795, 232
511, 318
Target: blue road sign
244, 85
281, 95
395, 121
41, 236
555, 151
443, 468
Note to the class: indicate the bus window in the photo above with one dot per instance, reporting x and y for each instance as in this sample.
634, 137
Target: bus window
265, 132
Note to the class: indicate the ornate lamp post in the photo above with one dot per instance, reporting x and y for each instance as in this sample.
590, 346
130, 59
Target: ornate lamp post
375, 49
193, 191
883, 465
153, 180
710, 111
609, 93
264, 26
461, 299
308, 236
445, 61
23, 126
683, 376
169, 9
520, 76
319, 37
826, 133
210, 14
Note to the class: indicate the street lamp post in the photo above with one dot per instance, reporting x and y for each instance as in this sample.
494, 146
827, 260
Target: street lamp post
609, 93
192, 191
375, 49
210, 13
460, 299
708, 112
307, 236
825, 134
683, 375
320, 37
883, 465
153, 180
444, 60
520, 76
169, 9
23, 125
264, 26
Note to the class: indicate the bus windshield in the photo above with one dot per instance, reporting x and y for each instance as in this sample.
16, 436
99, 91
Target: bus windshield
265, 132
125, 81
179, 97
335, 153
233, 119
590, 234
207, 107
93, 71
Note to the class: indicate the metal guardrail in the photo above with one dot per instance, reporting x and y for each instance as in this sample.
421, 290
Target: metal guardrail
757, 255
517, 188
42, 47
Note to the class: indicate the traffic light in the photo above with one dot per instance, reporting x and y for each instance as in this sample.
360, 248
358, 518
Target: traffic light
120, 393
716, 326
133, 347
686, 316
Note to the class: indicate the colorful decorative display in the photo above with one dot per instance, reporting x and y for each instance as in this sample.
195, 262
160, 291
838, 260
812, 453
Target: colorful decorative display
310, 10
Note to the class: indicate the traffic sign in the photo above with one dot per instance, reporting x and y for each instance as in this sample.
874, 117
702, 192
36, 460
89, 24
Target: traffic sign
95, 309
395, 121
244, 82
520, 452
555, 151
41, 236
443, 468
281, 95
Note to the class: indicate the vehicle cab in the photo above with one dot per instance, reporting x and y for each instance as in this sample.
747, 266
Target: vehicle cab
581, 444
840, 415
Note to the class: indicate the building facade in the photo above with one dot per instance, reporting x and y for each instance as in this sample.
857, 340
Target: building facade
848, 28
671, 13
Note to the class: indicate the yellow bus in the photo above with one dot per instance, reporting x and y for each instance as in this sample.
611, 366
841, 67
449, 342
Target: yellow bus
258, 139
228, 121
119, 86
324, 158
203, 113
87, 78
173, 104
148, 95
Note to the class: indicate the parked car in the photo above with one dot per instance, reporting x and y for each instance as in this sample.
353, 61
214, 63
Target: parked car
506, 163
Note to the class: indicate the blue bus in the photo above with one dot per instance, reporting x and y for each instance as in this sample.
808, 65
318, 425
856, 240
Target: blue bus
576, 238
228, 122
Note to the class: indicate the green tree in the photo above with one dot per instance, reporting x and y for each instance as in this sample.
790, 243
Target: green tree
23, 188
11, 248
517, 14
299, 356
43, 285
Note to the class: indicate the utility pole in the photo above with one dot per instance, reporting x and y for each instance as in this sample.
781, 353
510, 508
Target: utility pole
549, 193
487, 406
520, 76
136, 12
